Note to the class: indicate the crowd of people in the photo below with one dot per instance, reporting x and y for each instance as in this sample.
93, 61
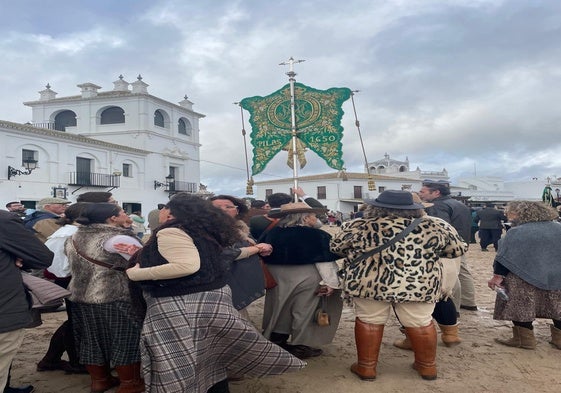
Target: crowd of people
166, 310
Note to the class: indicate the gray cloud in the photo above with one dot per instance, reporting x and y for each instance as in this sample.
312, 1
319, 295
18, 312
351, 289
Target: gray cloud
465, 85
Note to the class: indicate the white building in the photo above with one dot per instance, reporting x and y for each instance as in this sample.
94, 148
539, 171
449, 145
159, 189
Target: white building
126, 141
345, 192
481, 189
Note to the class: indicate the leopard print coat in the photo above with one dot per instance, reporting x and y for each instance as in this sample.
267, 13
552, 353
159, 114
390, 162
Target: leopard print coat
408, 271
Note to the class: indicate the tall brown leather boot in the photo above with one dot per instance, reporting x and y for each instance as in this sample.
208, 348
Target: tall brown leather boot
521, 338
423, 341
131, 381
555, 337
368, 338
449, 335
101, 377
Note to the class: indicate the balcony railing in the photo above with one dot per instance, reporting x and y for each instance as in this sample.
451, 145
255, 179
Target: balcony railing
182, 186
51, 125
88, 179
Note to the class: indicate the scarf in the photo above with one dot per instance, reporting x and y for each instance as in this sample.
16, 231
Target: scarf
532, 251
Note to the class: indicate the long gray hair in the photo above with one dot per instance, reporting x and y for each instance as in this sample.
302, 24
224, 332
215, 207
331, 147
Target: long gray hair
293, 220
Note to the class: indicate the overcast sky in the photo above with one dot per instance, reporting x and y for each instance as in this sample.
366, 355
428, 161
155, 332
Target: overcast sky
470, 86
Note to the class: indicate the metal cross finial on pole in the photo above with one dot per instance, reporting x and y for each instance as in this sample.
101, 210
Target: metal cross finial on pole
290, 63
291, 74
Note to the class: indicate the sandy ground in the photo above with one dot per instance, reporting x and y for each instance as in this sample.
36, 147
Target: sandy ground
477, 365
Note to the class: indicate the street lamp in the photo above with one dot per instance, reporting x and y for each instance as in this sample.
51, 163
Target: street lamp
168, 184
29, 165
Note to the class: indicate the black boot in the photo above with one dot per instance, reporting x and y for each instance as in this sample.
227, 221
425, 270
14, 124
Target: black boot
52, 359
280, 339
220, 387
21, 389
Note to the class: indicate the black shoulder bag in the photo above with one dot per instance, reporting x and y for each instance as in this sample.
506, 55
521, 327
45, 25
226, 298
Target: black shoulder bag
397, 238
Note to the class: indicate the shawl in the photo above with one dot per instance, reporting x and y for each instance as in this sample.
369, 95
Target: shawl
298, 245
532, 251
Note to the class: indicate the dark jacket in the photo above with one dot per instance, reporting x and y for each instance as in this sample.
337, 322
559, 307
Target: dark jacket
453, 212
17, 242
490, 218
298, 246
30, 220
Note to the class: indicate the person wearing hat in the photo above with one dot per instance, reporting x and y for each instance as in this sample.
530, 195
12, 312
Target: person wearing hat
490, 222
17, 208
405, 275
459, 216
298, 245
259, 223
43, 221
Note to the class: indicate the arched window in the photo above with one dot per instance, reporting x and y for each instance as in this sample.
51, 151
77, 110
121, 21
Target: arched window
65, 119
184, 127
112, 115
159, 118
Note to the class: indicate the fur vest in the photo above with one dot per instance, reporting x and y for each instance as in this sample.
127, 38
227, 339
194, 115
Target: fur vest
210, 276
92, 283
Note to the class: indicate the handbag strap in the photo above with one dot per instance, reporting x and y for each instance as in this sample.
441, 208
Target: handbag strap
95, 261
394, 240
274, 222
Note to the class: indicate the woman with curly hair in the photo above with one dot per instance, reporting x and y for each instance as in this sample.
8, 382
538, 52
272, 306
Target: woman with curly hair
527, 267
192, 335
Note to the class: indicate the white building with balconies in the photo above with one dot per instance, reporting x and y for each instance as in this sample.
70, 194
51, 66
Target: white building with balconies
126, 141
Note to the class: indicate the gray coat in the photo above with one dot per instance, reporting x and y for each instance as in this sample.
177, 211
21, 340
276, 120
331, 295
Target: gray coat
453, 212
17, 242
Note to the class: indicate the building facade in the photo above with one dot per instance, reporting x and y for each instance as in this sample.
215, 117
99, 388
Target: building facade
338, 191
126, 141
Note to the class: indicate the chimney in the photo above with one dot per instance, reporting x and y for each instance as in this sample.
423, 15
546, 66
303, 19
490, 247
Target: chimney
186, 103
89, 90
139, 87
121, 84
47, 94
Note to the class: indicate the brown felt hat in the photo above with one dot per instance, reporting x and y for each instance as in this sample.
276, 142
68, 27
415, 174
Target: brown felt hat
294, 208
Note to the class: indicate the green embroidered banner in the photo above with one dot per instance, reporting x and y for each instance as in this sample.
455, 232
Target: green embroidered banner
318, 124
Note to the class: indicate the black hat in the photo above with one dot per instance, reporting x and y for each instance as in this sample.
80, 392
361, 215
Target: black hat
395, 199
430, 182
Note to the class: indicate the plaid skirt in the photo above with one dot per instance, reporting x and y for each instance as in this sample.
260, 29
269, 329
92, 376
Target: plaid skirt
526, 302
190, 342
107, 333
